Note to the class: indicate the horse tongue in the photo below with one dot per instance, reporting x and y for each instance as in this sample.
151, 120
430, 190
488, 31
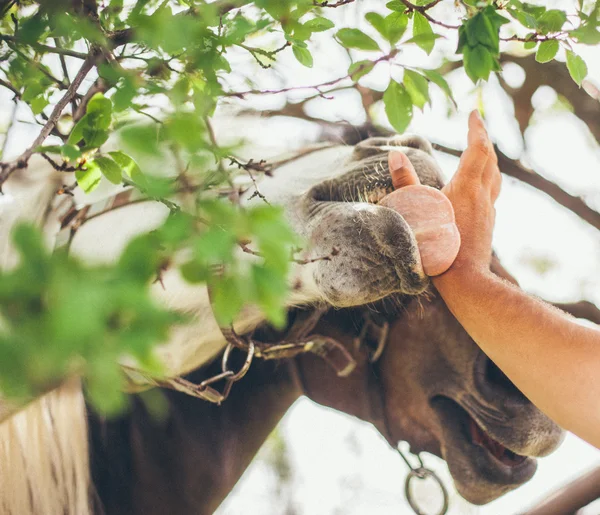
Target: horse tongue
430, 215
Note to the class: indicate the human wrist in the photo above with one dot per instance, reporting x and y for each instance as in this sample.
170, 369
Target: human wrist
460, 275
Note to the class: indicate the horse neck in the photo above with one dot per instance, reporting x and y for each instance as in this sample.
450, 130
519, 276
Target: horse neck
190, 461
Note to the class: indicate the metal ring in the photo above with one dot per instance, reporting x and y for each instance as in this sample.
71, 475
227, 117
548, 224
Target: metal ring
424, 473
242, 372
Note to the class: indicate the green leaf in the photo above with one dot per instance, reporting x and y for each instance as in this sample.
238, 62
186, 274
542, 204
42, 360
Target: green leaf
100, 108
303, 56
128, 166
378, 22
577, 67
424, 41
438, 79
319, 24
38, 104
70, 152
528, 45
398, 106
355, 38
89, 178
396, 24
142, 138
77, 131
552, 21
94, 136
423, 34
480, 31
194, 272
396, 5
546, 51
478, 62
270, 293
93, 126
226, 299
417, 87
110, 169
360, 69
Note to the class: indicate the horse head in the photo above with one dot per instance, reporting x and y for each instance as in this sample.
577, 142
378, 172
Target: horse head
431, 385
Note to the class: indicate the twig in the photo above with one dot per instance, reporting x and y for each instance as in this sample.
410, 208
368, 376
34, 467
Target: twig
39, 47
6, 169
13, 118
260, 166
334, 252
60, 168
40, 67
242, 94
270, 54
248, 250
422, 9
339, 3
65, 71
252, 165
8, 85
515, 169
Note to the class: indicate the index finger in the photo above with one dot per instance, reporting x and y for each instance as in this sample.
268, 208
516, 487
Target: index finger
479, 149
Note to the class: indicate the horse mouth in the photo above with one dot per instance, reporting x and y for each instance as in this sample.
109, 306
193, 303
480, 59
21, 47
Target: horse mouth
482, 467
504, 455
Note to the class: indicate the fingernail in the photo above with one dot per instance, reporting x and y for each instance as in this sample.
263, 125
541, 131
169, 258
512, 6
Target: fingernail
397, 161
478, 114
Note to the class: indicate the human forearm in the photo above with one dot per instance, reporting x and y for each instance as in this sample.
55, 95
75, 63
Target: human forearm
554, 361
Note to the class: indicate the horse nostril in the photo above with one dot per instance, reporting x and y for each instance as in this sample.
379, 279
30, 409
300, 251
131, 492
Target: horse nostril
492, 381
495, 377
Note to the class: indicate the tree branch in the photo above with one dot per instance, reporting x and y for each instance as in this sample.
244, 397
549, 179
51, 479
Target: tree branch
8, 85
515, 169
333, 82
582, 309
7, 169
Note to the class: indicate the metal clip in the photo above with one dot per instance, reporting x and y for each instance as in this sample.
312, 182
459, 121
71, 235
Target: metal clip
422, 472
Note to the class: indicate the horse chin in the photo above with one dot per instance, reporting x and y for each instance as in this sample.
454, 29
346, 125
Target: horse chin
482, 468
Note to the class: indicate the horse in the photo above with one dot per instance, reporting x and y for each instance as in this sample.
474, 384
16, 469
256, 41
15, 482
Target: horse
393, 356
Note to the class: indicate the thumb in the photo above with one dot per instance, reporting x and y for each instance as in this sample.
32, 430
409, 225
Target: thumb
401, 169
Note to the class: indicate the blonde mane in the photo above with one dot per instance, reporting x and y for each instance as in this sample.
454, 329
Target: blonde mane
44, 464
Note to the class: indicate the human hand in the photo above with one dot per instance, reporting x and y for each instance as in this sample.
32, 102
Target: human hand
473, 191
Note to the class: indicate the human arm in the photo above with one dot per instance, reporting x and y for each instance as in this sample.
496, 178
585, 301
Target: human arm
552, 359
